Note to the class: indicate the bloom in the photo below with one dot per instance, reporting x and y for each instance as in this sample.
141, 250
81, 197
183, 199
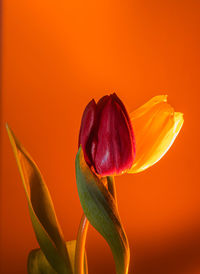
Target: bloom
156, 126
106, 136
114, 143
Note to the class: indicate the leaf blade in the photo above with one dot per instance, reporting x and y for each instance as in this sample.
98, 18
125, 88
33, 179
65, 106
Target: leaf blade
38, 264
41, 209
101, 210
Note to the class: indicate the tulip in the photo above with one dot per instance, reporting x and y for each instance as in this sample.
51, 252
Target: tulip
110, 147
155, 126
106, 136
114, 143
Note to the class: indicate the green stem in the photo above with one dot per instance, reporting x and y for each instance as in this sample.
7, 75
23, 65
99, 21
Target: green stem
112, 187
80, 245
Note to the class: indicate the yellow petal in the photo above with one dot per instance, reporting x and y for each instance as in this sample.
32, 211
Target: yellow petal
156, 126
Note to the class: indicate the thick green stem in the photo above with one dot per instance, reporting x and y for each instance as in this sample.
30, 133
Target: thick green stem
80, 245
112, 187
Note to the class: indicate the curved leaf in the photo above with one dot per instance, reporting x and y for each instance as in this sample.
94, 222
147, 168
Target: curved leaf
38, 264
41, 209
100, 208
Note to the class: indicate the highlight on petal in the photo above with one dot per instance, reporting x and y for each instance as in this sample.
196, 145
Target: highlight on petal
156, 126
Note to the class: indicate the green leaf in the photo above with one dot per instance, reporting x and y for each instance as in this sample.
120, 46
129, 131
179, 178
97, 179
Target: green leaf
41, 209
101, 210
38, 264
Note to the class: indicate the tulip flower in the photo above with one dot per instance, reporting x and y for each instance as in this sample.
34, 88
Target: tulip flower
114, 142
156, 126
106, 136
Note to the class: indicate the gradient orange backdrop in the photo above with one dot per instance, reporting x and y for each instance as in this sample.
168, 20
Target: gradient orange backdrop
58, 55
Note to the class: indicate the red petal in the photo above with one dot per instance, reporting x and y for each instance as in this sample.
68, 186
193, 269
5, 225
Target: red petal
87, 125
116, 98
114, 152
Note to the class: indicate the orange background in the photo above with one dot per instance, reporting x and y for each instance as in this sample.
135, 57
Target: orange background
58, 55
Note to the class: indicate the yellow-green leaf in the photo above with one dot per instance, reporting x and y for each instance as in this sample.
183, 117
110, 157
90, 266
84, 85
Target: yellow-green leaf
41, 209
38, 264
101, 210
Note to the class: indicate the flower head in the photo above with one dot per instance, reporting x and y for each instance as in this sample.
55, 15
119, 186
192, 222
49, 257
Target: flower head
106, 136
156, 126
113, 143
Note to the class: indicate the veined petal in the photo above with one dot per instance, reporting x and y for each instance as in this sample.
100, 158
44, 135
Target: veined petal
115, 148
156, 126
